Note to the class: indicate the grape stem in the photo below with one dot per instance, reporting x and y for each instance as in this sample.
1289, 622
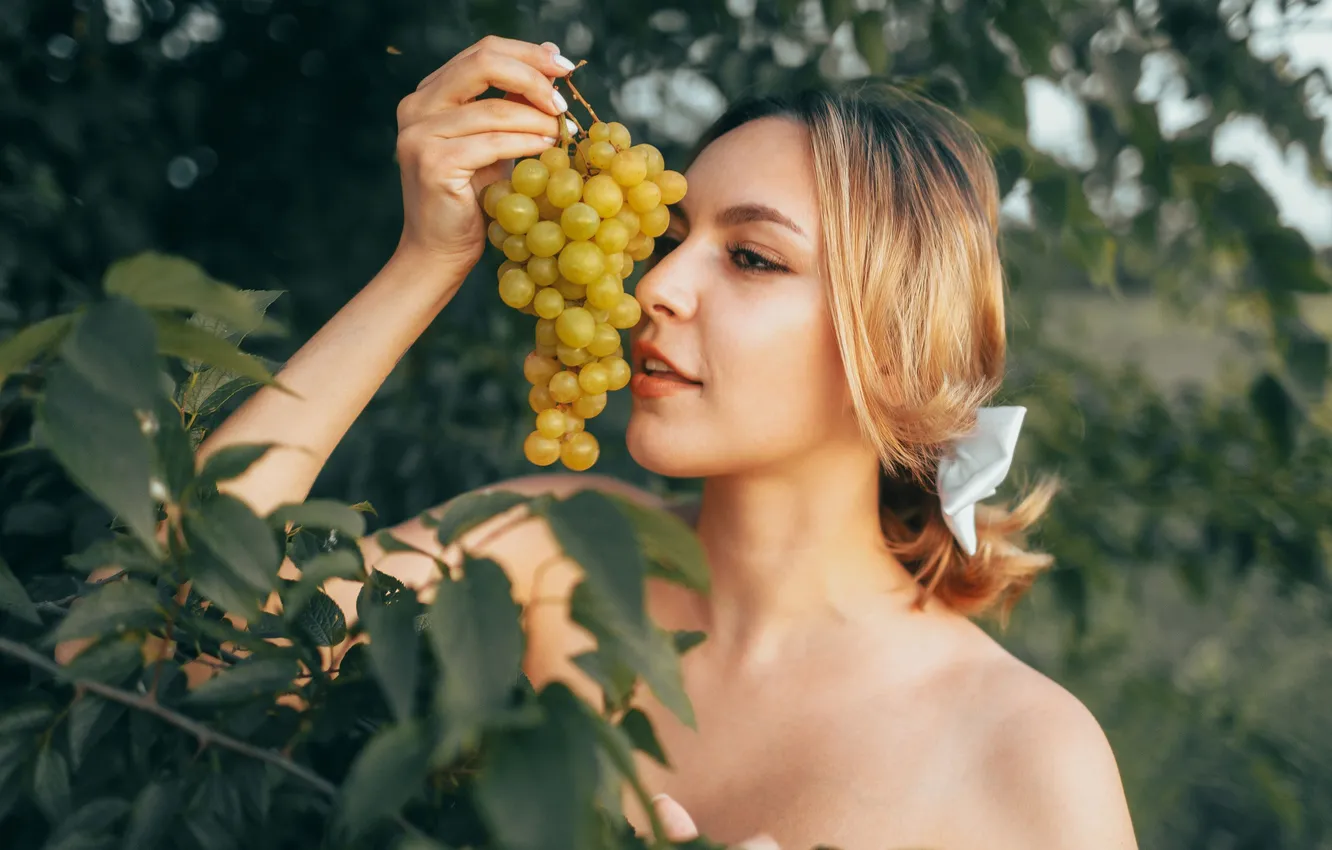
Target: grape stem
573, 89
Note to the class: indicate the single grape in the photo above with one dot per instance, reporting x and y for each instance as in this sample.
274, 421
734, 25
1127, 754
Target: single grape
655, 161
617, 372
589, 406
605, 291
612, 236
543, 451
564, 187
619, 352
555, 158
496, 234
629, 168
640, 247
506, 267
615, 263
580, 221
545, 332
580, 160
563, 387
673, 186
570, 356
601, 316
543, 270
546, 210
570, 290
551, 423
643, 197
539, 398
494, 192
546, 350
604, 195
629, 219
605, 339
598, 132
580, 452
626, 266
539, 370
600, 154
573, 424
529, 177
576, 327
548, 303
517, 213
656, 220
517, 289
545, 239
593, 379
527, 309
515, 248
619, 135
625, 314
582, 262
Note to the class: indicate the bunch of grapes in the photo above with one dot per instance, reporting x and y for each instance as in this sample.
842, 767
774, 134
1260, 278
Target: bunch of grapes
571, 229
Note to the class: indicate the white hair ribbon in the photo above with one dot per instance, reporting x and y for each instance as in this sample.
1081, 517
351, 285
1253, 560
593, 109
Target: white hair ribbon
975, 467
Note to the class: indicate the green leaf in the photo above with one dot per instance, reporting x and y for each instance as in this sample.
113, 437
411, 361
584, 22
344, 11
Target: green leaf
478, 641
93, 819
835, 12
188, 342
154, 810
668, 542
340, 563
387, 773
1277, 410
98, 442
31, 342
50, 783
218, 583
14, 600
536, 786
23, 720
685, 640
870, 42
175, 453
111, 660
115, 607
89, 718
324, 514
248, 680
113, 345
471, 509
616, 678
323, 621
381, 589
158, 281
394, 655
231, 462
617, 747
122, 551
208, 390
365, 508
594, 532
238, 538
1306, 353
639, 729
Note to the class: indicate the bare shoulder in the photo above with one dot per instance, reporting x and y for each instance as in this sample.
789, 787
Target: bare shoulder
1045, 768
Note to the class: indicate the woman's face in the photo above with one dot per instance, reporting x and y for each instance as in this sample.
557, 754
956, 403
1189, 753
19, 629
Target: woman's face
735, 305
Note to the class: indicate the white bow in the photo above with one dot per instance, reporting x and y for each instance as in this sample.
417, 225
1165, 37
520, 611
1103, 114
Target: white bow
975, 467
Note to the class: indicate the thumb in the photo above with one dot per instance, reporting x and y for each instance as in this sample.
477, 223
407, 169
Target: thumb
675, 821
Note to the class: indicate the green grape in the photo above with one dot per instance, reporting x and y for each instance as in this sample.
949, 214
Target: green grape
600, 154
626, 267
619, 352
543, 451
576, 327
589, 406
612, 236
570, 290
517, 289
582, 262
517, 213
601, 316
619, 135
564, 187
546, 350
644, 196
640, 247
629, 219
629, 168
494, 192
548, 303
546, 210
655, 162
515, 248
545, 332
570, 356
527, 310
579, 160
544, 271
539, 370
545, 239
580, 451
673, 186
625, 314
580, 221
573, 424
605, 291
563, 387
506, 267
605, 339
599, 132
617, 371
656, 220
529, 177
555, 158
551, 423
615, 263
540, 399
593, 379
604, 195
496, 234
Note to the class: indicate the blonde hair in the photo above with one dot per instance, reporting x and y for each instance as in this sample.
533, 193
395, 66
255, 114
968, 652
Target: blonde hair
909, 207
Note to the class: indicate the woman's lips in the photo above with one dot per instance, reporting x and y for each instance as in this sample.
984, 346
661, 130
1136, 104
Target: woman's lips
659, 384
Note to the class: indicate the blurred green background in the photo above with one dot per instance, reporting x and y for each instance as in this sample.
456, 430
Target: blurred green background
1167, 230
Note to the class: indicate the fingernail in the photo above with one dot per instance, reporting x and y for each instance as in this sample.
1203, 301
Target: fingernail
570, 127
560, 103
661, 797
551, 46
550, 140
563, 63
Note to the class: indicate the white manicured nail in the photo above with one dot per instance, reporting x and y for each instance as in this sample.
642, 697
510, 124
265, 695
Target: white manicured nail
550, 140
570, 127
560, 103
563, 63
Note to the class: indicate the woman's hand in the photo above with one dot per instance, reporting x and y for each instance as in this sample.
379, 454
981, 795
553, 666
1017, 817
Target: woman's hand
451, 145
679, 826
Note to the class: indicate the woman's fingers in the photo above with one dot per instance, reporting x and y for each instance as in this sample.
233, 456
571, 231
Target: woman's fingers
675, 821
444, 160
464, 78
492, 115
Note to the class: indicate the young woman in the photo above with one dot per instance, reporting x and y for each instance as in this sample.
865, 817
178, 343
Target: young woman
827, 305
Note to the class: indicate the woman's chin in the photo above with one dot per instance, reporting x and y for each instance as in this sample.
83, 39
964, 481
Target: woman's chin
660, 450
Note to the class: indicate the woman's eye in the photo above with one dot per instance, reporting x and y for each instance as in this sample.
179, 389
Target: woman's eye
749, 260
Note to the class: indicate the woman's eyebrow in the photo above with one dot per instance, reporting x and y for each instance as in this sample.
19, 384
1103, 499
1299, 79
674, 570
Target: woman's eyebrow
745, 213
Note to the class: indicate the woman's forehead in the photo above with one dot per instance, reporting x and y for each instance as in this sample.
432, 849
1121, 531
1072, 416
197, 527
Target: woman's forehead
765, 162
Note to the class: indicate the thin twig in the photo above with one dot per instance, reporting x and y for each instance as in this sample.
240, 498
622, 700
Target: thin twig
573, 89
204, 734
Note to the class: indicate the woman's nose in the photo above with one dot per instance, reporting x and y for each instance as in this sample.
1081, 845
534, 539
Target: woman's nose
665, 292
